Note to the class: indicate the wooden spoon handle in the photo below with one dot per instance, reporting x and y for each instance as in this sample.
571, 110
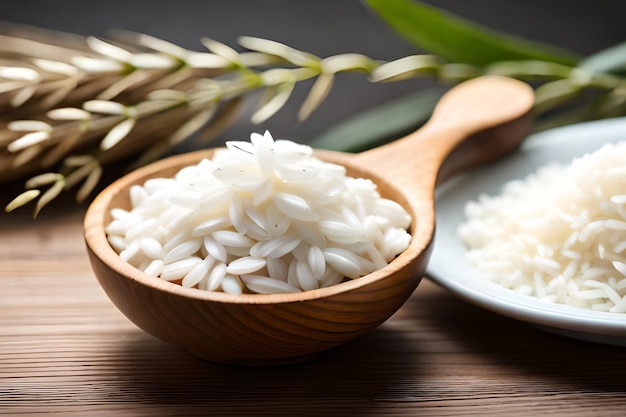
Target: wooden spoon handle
480, 114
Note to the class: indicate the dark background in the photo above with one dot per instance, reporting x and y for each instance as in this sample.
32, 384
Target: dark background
323, 27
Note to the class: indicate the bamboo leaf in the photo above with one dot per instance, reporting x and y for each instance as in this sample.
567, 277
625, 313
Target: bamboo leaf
590, 110
459, 40
611, 59
529, 69
555, 93
380, 124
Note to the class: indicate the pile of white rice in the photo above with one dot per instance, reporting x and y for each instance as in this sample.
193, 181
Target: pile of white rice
262, 216
559, 234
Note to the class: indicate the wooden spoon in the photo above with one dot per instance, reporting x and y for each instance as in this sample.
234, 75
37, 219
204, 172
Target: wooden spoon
489, 116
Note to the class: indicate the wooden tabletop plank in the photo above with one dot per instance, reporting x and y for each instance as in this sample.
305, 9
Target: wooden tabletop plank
66, 350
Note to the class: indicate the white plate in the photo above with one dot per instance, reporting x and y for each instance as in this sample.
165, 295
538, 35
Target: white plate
449, 268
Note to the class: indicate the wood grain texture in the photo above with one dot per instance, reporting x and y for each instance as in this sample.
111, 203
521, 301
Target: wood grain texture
278, 328
65, 350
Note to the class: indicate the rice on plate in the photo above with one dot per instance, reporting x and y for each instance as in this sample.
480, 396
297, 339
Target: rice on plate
559, 234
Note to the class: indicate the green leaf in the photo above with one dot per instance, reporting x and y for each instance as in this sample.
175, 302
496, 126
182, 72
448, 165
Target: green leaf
599, 108
611, 59
555, 93
381, 124
459, 40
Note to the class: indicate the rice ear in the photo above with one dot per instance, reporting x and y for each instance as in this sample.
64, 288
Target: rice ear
22, 199
49, 195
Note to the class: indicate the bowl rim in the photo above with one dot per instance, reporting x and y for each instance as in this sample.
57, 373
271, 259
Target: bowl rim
97, 243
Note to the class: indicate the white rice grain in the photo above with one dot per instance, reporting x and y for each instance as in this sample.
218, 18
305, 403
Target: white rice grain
339, 231
137, 195
176, 240
278, 223
142, 229
275, 248
306, 280
210, 226
119, 227
217, 274
231, 238
231, 284
214, 248
294, 207
198, 273
131, 253
263, 151
261, 216
237, 215
342, 262
177, 270
152, 248
245, 265
316, 262
182, 251
264, 285
331, 277
117, 242
121, 214
277, 268
154, 268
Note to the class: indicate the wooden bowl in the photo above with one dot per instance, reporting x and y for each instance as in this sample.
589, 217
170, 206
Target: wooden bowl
249, 329
255, 329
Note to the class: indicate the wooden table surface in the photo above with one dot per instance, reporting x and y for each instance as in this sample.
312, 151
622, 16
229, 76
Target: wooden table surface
65, 350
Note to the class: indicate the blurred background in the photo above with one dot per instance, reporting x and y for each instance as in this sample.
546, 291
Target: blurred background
322, 27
